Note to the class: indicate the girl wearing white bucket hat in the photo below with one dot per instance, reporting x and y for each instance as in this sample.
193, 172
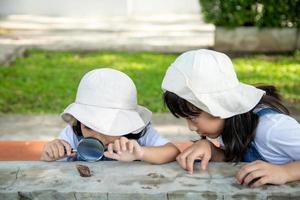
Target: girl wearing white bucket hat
251, 123
105, 115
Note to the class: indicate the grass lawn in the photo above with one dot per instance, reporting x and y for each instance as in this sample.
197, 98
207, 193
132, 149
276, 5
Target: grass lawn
46, 81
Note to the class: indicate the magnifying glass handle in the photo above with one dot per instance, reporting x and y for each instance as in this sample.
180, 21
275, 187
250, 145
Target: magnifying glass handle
73, 150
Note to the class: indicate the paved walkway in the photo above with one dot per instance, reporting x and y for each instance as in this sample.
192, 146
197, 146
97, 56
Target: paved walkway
47, 127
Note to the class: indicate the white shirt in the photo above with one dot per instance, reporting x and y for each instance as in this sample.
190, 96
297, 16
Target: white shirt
150, 138
278, 138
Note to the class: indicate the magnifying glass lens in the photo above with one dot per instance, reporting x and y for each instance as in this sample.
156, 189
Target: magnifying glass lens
90, 149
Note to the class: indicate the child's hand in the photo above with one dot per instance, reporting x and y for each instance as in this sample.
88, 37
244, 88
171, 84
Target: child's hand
259, 173
200, 150
124, 150
56, 150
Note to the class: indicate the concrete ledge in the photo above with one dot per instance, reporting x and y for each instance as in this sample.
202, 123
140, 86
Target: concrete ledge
137, 180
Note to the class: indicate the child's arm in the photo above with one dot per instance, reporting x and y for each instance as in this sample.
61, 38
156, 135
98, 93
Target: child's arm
259, 173
129, 150
160, 154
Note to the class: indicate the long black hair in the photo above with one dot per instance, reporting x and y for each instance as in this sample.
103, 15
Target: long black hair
238, 130
132, 136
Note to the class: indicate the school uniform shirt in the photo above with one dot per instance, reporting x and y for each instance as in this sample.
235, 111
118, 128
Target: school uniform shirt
150, 138
277, 137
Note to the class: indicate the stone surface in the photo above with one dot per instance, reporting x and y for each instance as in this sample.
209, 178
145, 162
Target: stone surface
253, 39
136, 180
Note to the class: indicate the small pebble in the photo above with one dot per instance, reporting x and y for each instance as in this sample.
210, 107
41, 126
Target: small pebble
83, 170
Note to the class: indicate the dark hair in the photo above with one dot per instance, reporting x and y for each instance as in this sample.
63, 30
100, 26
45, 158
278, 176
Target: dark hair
78, 132
238, 130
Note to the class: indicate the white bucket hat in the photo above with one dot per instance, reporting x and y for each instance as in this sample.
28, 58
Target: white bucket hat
106, 102
207, 79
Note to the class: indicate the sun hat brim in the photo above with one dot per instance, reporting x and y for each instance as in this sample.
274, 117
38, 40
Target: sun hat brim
228, 103
108, 121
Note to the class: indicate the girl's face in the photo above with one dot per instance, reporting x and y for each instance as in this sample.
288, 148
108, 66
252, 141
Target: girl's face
105, 139
206, 125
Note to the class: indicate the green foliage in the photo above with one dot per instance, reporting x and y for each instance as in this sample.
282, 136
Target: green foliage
46, 81
261, 13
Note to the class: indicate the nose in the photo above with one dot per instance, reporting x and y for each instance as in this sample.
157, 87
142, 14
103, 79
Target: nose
191, 125
101, 139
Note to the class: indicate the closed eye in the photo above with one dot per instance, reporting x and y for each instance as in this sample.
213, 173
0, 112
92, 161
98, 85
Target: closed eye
192, 118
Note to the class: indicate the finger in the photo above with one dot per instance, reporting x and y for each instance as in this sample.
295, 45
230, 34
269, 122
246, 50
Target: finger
110, 148
190, 161
61, 149
262, 181
181, 158
190, 164
130, 147
204, 161
253, 164
250, 178
49, 152
67, 147
246, 169
55, 151
123, 142
117, 147
112, 155
138, 151
181, 161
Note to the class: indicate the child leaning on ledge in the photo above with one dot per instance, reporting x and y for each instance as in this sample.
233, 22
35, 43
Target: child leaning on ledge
106, 110
251, 122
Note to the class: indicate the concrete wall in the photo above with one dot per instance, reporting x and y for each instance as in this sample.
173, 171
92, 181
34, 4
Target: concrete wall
253, 39
93, 8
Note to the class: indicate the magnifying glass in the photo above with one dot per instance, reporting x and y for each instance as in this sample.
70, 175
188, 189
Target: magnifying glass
90, 149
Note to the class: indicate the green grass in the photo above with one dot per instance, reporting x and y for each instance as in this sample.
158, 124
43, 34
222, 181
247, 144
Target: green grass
46, 81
